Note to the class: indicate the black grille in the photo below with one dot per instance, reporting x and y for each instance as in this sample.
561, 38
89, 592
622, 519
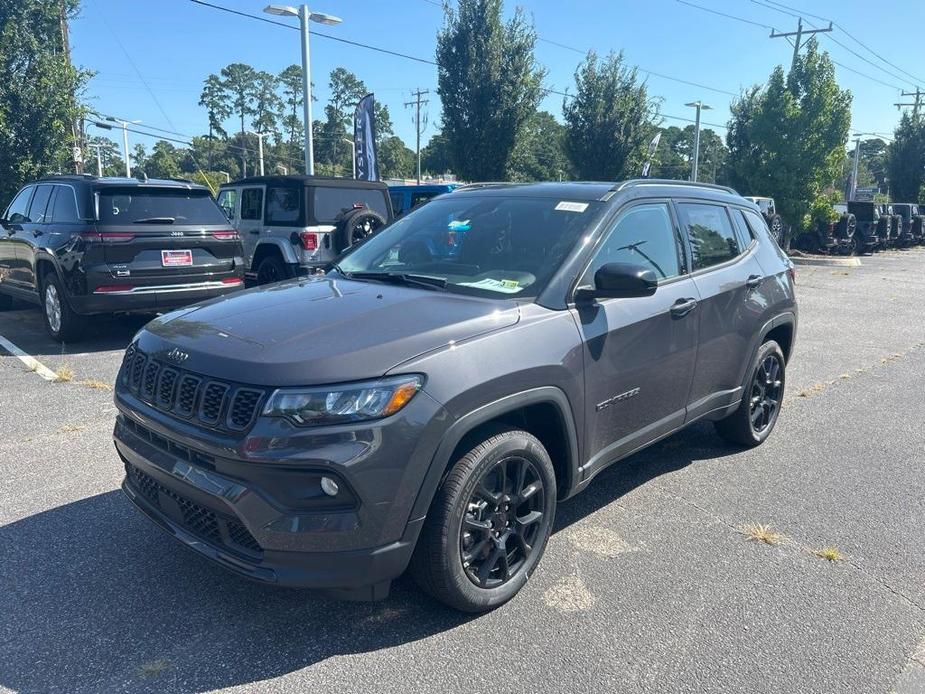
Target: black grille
243, 407
212, 400
217, 404
167, 446
199, 520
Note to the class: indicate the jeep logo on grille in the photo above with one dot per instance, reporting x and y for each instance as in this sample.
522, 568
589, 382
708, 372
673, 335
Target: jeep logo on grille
177, 356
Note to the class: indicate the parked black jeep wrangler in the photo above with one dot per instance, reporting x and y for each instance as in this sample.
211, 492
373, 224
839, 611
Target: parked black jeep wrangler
867, 225
907, 214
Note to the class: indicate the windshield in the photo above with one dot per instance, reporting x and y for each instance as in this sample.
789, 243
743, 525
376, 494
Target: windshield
488, 246
138, 205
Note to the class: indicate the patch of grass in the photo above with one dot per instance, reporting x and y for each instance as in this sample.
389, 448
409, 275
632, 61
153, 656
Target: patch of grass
814, 389
153, 667
70, 429
96, 384
759, 532
65, 374
33, 367
830, 553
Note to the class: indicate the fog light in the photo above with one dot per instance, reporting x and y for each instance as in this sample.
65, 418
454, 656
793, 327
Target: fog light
329, 486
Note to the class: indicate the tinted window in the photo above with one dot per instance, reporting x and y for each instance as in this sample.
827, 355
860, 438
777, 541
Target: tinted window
37, 210
756, 223
252, 203
284, 206
490, 246
331, 202
138, 205
644, 235
418, 198
227, 200
18, 210
713, 240
398, 202
65, 206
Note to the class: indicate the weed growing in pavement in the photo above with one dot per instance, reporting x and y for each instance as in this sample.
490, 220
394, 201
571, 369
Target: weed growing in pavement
830, 553
70, 429
32, 368
761, 533
64, 375
96, 384
814, 389
153, 667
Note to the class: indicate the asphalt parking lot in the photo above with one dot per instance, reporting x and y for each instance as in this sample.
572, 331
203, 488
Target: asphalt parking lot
648, 584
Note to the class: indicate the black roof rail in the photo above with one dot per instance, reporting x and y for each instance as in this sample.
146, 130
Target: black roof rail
485, 184
57, 176
633, 182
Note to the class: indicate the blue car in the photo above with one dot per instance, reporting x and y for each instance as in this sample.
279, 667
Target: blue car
406, 197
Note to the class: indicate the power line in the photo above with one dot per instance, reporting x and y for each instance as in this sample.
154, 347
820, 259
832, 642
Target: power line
727, 16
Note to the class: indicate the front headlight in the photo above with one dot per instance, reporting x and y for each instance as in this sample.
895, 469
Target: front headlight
350, 402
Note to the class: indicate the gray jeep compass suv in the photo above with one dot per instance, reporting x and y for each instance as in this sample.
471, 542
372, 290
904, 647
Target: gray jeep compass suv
430, 399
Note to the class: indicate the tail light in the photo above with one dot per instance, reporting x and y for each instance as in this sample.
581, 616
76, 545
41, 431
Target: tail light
309, 240
232, 281
225, 235
107, 236
113, 288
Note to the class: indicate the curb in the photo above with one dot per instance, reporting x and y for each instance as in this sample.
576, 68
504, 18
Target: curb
826, 262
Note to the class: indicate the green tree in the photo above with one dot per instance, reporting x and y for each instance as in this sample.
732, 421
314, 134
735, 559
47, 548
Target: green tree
112, 164
787, 140
906, 159
214, 100
290, 81
489, 85
435, 155
539, 153
610, 121
40, 93
164, 161
267, 104
238, 85
139, 159
396, 160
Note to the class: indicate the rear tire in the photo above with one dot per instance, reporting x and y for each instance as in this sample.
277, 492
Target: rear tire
61, 322
488, 524
754, 419
776, 225
271, 269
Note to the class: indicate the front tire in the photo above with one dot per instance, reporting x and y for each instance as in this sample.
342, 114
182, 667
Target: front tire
489, 523
61, 322
754, 419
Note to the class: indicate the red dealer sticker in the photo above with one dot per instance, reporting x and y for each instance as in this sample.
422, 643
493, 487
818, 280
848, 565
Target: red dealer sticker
176, 258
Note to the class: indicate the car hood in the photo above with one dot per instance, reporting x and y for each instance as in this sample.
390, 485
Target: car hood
321, 330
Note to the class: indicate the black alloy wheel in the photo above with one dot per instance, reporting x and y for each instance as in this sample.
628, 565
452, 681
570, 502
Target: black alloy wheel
767, 387
502, 522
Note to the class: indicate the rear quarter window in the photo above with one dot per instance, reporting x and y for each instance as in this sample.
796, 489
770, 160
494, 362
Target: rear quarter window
331, 202
158, 205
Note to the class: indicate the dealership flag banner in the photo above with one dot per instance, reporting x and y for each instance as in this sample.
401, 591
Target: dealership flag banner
652, 147
364, 135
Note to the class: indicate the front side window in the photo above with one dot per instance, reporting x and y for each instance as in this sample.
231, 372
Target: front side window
228, 200
484, 245
332, 202
644, 235
713, 240
18, 211
284, 206
38, 210
252, 204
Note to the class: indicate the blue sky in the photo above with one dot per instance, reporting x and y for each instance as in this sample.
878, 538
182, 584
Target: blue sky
175, 44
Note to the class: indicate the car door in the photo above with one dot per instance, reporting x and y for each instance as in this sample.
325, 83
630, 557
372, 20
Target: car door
639, 352
16, 214
250, 220
28, 236
728, 278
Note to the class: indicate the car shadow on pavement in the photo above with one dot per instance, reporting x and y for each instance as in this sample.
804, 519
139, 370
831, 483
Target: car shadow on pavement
95, 598
26, 329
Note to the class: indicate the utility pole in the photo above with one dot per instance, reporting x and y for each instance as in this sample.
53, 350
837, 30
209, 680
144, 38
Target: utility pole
918, 94
75, 124
853, 189
799, 33
418, 127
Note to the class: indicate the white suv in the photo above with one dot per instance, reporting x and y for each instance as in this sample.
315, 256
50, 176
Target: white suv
290, 225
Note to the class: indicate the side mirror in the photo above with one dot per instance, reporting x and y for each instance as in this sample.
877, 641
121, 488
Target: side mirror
619, 281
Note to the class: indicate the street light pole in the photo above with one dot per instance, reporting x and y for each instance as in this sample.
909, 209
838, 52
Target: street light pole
260, 137
99, 158
854, 169
125, 124
305, 16
699, 105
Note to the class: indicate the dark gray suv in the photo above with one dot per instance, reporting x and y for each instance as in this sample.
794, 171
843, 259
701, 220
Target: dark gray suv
433, 397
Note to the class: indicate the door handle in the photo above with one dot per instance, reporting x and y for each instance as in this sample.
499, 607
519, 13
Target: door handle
682, 307
255, 232
754, 281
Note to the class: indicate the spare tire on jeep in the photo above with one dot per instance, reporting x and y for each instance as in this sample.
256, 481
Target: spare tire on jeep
356, 225
776, 225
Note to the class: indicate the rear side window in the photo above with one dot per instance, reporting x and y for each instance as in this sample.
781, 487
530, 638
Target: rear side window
158, 206
64, 207
418, 198
644, 236
713, 240
39, 208
331, 202
18, 211
284, 206
227, 200
398, 202
252, 203
755, 222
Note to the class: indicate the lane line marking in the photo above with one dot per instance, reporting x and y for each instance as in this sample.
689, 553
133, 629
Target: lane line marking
30, 361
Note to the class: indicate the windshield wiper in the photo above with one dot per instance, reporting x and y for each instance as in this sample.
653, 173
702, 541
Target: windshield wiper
155, 220
426, 281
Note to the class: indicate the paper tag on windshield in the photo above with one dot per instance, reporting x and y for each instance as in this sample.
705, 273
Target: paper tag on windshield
572, 206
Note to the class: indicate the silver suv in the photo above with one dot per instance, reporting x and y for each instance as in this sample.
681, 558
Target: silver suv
291, 225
